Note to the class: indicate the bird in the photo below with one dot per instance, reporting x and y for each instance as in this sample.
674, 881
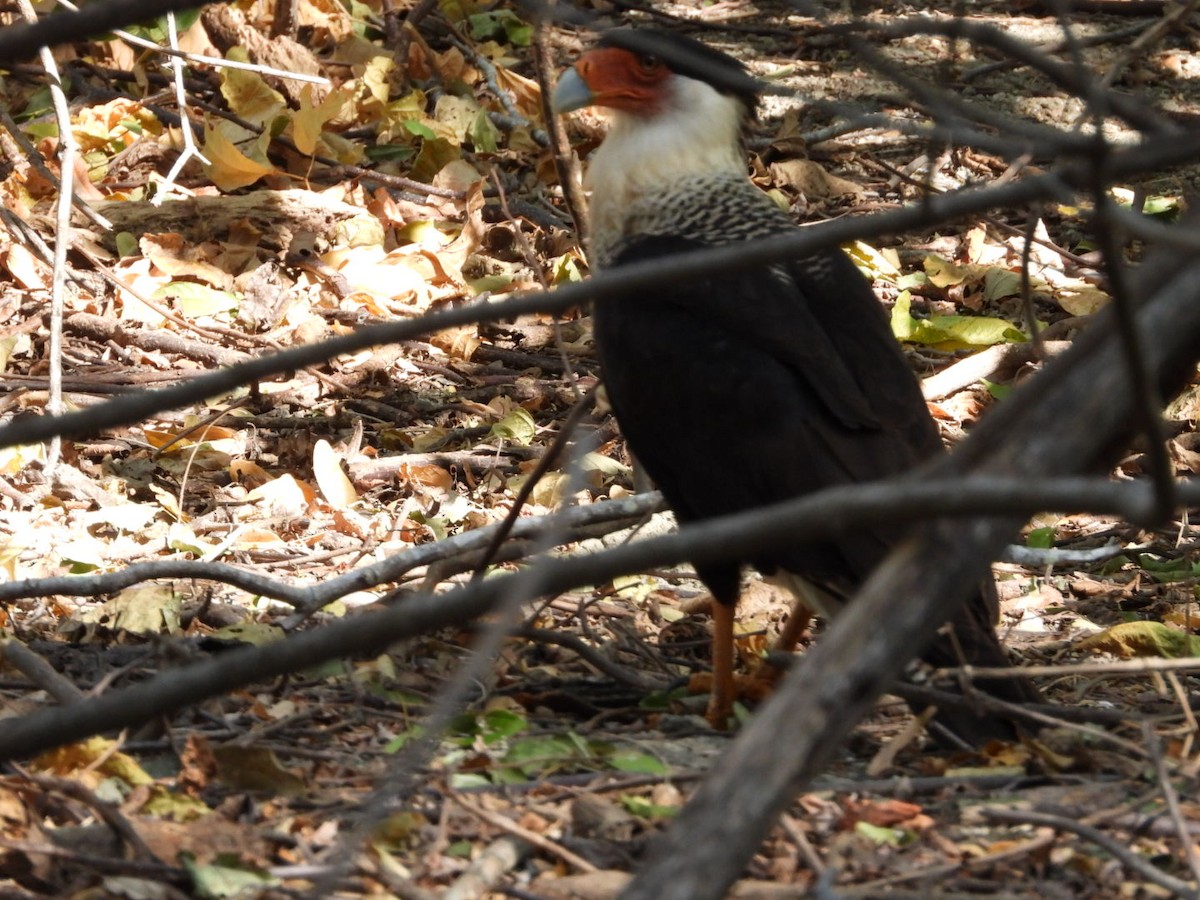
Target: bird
741, 389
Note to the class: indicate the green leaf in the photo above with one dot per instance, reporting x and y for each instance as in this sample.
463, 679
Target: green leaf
637, 762
156, 29
1166, 207
463, 780
391, 152
228, 880
640, 806
997, 390
420, 129
1160, 205
999, 283
483, 134
38, 130
127, 244
951, 331
1040, 538
662, 699
37, 104
501, 24
518, 427
501, 723
403, 738
535, 755
1168, 569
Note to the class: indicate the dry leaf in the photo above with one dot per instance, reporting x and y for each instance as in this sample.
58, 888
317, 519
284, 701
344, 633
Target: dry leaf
327, 469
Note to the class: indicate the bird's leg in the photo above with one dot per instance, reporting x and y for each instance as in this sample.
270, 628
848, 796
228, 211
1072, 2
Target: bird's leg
798, 620
720, 701
807, 601
776, 662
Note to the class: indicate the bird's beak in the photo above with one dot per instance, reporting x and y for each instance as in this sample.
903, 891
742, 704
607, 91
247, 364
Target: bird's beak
571, 92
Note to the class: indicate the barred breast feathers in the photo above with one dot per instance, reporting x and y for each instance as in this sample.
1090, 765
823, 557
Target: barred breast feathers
720, 208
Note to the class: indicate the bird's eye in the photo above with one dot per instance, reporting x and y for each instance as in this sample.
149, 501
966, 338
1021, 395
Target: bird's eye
648, 64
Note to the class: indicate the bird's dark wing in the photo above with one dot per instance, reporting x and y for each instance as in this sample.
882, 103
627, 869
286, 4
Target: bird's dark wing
742, 390
738, 391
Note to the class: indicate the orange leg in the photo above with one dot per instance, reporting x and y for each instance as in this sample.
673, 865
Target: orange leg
720, 701
798, 620
767, 676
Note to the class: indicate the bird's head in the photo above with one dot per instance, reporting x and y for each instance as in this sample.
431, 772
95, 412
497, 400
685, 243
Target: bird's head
677, 108
648, 74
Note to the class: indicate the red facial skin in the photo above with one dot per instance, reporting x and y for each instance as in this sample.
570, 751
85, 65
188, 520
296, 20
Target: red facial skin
623, 80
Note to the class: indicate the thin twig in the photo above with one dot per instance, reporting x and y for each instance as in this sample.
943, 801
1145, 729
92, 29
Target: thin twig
593, 657
1132, 861
549, 458
566, 164
39, 671
537, 840
1172, 800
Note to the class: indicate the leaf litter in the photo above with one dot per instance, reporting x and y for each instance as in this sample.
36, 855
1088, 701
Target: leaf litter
291, 479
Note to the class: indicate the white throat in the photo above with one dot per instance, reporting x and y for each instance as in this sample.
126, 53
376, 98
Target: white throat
698, 133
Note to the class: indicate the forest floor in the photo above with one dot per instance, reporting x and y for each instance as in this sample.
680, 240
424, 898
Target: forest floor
385, 471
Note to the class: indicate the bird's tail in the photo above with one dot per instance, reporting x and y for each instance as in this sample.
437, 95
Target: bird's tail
963, 718
970, 640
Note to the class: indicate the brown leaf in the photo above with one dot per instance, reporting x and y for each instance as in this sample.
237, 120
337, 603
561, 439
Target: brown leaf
810, 179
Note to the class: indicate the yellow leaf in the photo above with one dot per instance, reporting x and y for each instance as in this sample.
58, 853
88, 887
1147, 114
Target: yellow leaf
943, 273
377, 75
229, 168
1081, 302
309, 121
249, 96
148, 609
454, 116
877, 263
1143, 639
92, 761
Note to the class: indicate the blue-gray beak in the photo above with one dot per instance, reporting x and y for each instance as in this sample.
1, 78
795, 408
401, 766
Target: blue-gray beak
570, 93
